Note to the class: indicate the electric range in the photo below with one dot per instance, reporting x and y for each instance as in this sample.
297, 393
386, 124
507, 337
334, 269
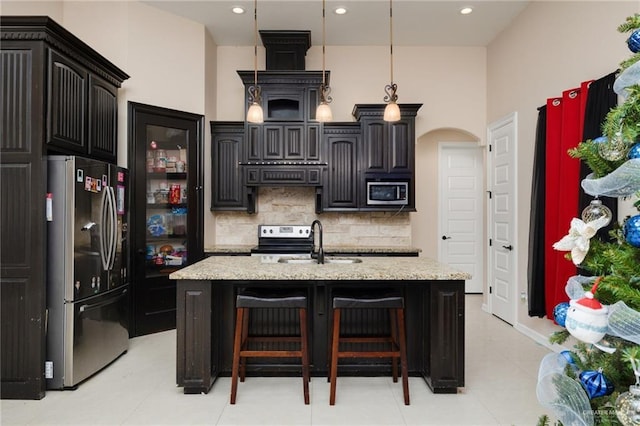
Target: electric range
275, 241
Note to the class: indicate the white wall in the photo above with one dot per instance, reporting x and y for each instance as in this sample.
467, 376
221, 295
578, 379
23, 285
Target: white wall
551, 47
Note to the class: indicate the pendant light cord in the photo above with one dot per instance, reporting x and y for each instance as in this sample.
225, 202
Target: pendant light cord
323, 43
255, 42
391, 40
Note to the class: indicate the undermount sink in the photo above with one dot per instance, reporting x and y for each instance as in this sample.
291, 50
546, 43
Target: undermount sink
306, 261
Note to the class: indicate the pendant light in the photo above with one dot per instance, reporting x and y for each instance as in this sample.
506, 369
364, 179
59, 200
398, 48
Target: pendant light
323, 112
391, 111
254, 114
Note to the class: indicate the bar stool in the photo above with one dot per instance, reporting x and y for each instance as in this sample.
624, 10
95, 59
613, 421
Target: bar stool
396, 340
268, 298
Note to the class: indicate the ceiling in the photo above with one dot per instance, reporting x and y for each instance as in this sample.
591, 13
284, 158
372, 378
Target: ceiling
415, 22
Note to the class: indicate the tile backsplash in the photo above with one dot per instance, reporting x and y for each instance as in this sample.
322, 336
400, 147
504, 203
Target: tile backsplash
296, 206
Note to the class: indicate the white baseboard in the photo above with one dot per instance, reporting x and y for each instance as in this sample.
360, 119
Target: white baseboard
539, 338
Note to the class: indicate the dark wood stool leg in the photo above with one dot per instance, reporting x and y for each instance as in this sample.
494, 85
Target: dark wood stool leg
304, 346
394, 343
243, 342
335, 342
403, 355
236, 354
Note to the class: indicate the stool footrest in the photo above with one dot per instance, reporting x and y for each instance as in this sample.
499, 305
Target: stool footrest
356, 354
366, 339
271, 354
295, 339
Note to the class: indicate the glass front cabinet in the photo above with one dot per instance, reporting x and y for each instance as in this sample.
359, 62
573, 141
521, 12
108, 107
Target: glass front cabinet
167, 215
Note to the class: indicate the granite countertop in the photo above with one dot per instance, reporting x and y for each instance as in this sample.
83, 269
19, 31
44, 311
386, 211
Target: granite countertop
246, 249
370, 268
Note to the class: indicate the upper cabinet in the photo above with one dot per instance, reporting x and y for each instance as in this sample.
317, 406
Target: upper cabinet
82, 110
387, 147
78, 90
291, 148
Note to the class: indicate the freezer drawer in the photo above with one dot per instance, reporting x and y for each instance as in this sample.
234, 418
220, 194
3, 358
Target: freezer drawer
94, 333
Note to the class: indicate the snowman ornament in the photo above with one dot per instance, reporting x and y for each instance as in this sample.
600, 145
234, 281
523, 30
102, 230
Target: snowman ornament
587, 318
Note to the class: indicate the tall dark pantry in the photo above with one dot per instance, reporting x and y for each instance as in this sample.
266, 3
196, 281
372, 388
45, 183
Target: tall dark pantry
166, 224
58, 96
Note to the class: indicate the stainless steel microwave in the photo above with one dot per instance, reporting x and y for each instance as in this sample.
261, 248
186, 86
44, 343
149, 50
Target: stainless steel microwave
387, 193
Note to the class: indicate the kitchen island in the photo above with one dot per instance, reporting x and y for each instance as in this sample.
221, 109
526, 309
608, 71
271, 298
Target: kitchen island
434, 303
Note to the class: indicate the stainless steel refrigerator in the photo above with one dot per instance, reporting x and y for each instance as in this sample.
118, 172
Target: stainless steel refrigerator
87, 278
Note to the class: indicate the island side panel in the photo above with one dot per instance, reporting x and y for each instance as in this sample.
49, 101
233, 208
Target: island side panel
195, 354
445, 361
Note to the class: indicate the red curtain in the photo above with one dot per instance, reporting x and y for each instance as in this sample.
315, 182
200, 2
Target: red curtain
565, 121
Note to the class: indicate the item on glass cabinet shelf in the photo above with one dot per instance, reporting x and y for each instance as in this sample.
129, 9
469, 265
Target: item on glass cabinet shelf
166, 249
171, 260
174, 194
180, 166
161, 161
151, 199
151, 251
155, 225
162, 196
151, 161
179, 220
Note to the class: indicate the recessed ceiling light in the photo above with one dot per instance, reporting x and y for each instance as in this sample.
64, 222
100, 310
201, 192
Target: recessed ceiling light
466, 10
238, 10
340, 10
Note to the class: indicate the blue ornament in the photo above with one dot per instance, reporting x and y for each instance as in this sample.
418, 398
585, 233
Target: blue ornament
595, 383
569, 357
631, 230
634, 41
560, 313
601, 139
634, 152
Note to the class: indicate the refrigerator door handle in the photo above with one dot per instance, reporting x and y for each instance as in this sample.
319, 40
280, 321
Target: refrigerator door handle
104, 248
114, 229
109, 301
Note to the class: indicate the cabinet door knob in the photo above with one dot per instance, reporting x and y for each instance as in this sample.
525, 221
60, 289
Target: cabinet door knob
444, 237
509, 247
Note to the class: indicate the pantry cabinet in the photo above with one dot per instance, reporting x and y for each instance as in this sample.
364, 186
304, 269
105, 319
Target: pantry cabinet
165, 165
58, 95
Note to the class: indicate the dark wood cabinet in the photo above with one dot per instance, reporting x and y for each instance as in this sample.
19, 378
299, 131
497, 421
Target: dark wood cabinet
387, 148
165, 166
228, 188
82, 110
444, 359
47, 101
339, 191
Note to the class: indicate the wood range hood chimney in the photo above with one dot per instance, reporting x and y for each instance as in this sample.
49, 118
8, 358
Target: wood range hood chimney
285, 49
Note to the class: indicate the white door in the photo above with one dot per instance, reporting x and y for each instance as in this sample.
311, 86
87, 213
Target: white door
461, 177
501, 172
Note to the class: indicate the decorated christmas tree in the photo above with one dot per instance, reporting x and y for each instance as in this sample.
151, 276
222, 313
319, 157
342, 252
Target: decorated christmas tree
598, 382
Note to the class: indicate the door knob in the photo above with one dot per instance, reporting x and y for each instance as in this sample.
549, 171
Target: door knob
509, 247
444, 237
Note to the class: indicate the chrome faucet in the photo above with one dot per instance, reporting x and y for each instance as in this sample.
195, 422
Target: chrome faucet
320, 254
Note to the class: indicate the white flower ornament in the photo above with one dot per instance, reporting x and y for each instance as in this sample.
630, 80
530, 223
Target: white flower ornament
577, 241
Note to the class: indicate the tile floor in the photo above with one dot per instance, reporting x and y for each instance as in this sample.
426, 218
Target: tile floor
139, 389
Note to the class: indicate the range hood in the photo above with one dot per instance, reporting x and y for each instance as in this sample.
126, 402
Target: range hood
285, 149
